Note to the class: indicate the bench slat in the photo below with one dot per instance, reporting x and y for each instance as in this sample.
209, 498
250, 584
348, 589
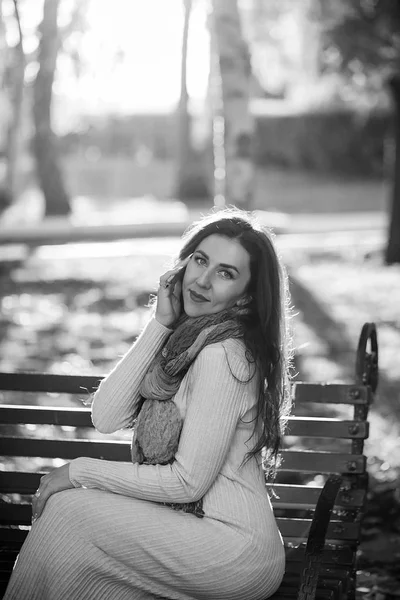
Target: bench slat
290, 593
333, 584
49, 382
299, 528
288, 496
68, 449
40, 415
19, 482
322, 462
332, 554
331, 393
21, 514
340, 556
80, 417
301, 461
7, 559
328, 577
294, 568
329, 428
15, 514
306, 496
11, 539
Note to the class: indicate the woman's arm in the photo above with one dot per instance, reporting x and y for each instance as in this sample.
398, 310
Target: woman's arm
216, 403
115, 400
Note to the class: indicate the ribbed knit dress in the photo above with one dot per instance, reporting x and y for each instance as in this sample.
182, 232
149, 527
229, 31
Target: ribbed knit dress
112, 538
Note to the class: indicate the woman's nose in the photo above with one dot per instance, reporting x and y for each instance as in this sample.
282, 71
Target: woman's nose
203, 280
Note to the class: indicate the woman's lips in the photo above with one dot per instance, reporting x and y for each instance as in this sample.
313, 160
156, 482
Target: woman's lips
197, 297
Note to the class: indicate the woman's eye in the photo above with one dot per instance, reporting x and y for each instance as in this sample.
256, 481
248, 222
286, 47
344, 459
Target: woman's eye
226, 274
200, 260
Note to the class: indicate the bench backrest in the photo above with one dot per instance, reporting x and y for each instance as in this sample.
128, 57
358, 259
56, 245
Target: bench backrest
315, 446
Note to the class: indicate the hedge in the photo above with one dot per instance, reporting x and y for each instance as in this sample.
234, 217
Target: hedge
342, 142
336, 142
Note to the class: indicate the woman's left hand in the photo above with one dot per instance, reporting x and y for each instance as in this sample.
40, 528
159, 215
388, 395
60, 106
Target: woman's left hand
55, 481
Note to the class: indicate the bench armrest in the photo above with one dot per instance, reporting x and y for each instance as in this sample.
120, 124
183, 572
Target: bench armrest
316, 538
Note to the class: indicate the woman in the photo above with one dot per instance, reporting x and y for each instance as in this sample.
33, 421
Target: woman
205, 387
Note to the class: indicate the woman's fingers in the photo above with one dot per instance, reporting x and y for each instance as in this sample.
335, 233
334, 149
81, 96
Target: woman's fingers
179, 270
55, 481
177, 291
169, 294
40, 498
170, 277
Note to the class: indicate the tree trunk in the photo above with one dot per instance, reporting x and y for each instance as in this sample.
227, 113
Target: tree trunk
3, 49
184, 145
16, 97
191, 177
45, 147
307, 68
5, 196
235, 75
218, 122
392, 254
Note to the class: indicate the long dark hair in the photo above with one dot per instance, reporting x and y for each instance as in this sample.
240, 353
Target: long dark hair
267, 337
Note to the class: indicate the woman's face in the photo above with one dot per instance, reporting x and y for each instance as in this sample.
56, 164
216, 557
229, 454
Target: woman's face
216, 276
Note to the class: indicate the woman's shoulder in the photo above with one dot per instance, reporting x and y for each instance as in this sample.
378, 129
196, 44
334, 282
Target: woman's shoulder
231, 352
235, 347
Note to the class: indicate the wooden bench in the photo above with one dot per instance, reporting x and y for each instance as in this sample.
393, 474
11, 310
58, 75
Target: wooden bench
321, 550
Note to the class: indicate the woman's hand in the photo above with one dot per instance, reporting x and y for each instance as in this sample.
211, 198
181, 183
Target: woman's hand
55, 481
169, 294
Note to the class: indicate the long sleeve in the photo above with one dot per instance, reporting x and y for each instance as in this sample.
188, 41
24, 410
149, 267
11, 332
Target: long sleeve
115, 400
216, 403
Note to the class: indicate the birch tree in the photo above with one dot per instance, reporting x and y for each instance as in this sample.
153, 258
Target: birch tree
16, 101
233, 62
45, 148
184, 145
4, 194
191, 176
12, 72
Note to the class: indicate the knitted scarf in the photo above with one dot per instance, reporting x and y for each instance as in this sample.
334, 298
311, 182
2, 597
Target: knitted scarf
158, 421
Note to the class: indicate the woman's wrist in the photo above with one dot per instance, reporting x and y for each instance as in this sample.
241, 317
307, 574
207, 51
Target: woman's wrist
72, 473
163, 322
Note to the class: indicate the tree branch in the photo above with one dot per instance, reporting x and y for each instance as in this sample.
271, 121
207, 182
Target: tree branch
18, 19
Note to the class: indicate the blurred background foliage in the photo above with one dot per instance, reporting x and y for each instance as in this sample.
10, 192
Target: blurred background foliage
319, 92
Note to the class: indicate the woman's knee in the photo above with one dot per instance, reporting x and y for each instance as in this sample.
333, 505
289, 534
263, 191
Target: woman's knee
57, 521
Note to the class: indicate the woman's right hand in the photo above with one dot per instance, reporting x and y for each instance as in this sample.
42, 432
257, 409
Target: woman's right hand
169, 295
